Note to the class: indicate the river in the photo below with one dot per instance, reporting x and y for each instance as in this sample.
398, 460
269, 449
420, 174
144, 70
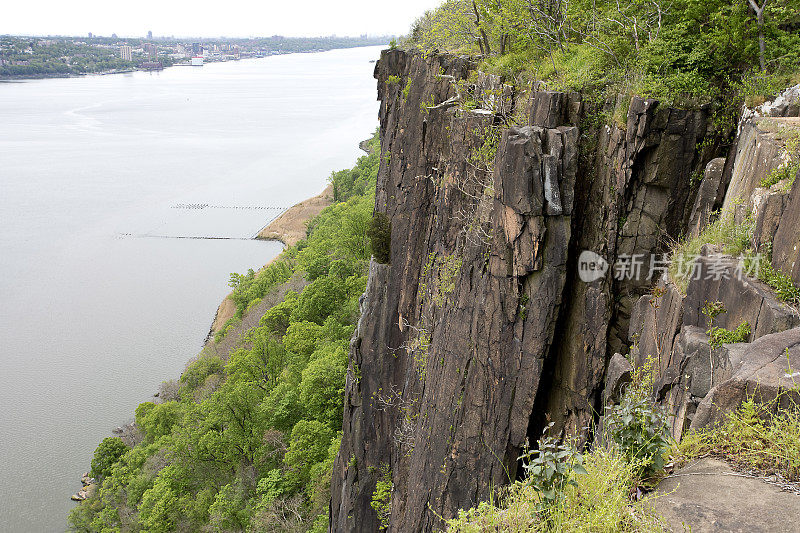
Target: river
102, 179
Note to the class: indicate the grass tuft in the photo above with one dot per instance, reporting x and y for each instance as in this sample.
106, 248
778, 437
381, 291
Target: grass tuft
733, 238
753, 437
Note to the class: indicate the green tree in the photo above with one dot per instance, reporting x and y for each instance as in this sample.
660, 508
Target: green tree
107, 453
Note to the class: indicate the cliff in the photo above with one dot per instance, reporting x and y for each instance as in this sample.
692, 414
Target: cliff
480, 329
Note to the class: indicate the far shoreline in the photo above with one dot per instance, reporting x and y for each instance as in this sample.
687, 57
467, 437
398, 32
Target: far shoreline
66, 75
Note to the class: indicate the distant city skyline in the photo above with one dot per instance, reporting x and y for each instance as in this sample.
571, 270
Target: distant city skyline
187, 19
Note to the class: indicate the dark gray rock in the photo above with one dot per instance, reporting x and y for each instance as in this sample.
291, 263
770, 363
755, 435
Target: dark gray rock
618, 375
786, 245
484, 267
706, 198
707, 496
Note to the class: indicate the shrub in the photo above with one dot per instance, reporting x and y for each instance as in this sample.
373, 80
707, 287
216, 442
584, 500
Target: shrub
719, 336
382, 497
599, 501
784, 287
784, 172
549, 469
640, 429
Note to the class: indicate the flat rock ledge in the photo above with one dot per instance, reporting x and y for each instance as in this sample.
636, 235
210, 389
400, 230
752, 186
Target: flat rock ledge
709, 496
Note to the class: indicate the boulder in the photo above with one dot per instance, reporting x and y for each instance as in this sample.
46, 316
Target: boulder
746, 299
757, 154
706, 196
618, 375
759, 370
768, 206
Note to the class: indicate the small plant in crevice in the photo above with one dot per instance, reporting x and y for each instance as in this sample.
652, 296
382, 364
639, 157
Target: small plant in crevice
523, 306
719, 336
549, 469
382, 496
783, 172
639, 427
380, 237
783, 285
712, 310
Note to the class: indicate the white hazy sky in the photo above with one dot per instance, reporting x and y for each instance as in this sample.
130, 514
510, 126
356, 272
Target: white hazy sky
238, 18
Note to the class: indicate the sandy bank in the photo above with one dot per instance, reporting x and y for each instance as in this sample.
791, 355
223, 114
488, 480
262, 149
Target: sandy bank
288, 228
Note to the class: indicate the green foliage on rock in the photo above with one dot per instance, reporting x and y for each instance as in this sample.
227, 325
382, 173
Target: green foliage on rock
248, 443
380, 237
720, 336
382, 497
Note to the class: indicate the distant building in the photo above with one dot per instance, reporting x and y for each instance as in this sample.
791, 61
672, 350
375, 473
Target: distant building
126, 52
197, 61
90, 35
197, 49
151, 50
149, 34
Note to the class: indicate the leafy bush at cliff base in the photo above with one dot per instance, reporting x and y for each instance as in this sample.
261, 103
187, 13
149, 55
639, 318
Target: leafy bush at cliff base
550, 467
597, 500
249, 442
640, 430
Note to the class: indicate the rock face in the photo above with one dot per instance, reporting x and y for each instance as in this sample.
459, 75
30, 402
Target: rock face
480, 329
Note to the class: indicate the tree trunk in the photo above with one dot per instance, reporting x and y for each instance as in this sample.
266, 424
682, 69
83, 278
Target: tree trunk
759, 11
485, 50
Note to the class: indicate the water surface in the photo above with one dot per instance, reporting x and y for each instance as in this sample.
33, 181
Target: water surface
100, 300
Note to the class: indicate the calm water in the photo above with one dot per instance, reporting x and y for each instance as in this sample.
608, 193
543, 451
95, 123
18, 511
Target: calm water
99, 301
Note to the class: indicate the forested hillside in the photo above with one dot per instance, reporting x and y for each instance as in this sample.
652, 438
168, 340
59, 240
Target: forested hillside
248, 443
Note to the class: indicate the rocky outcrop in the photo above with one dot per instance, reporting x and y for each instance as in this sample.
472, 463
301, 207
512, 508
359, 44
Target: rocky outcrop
480, 329
707, 197
758, 152
454, 331
786, 244
763, 370
670, 330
